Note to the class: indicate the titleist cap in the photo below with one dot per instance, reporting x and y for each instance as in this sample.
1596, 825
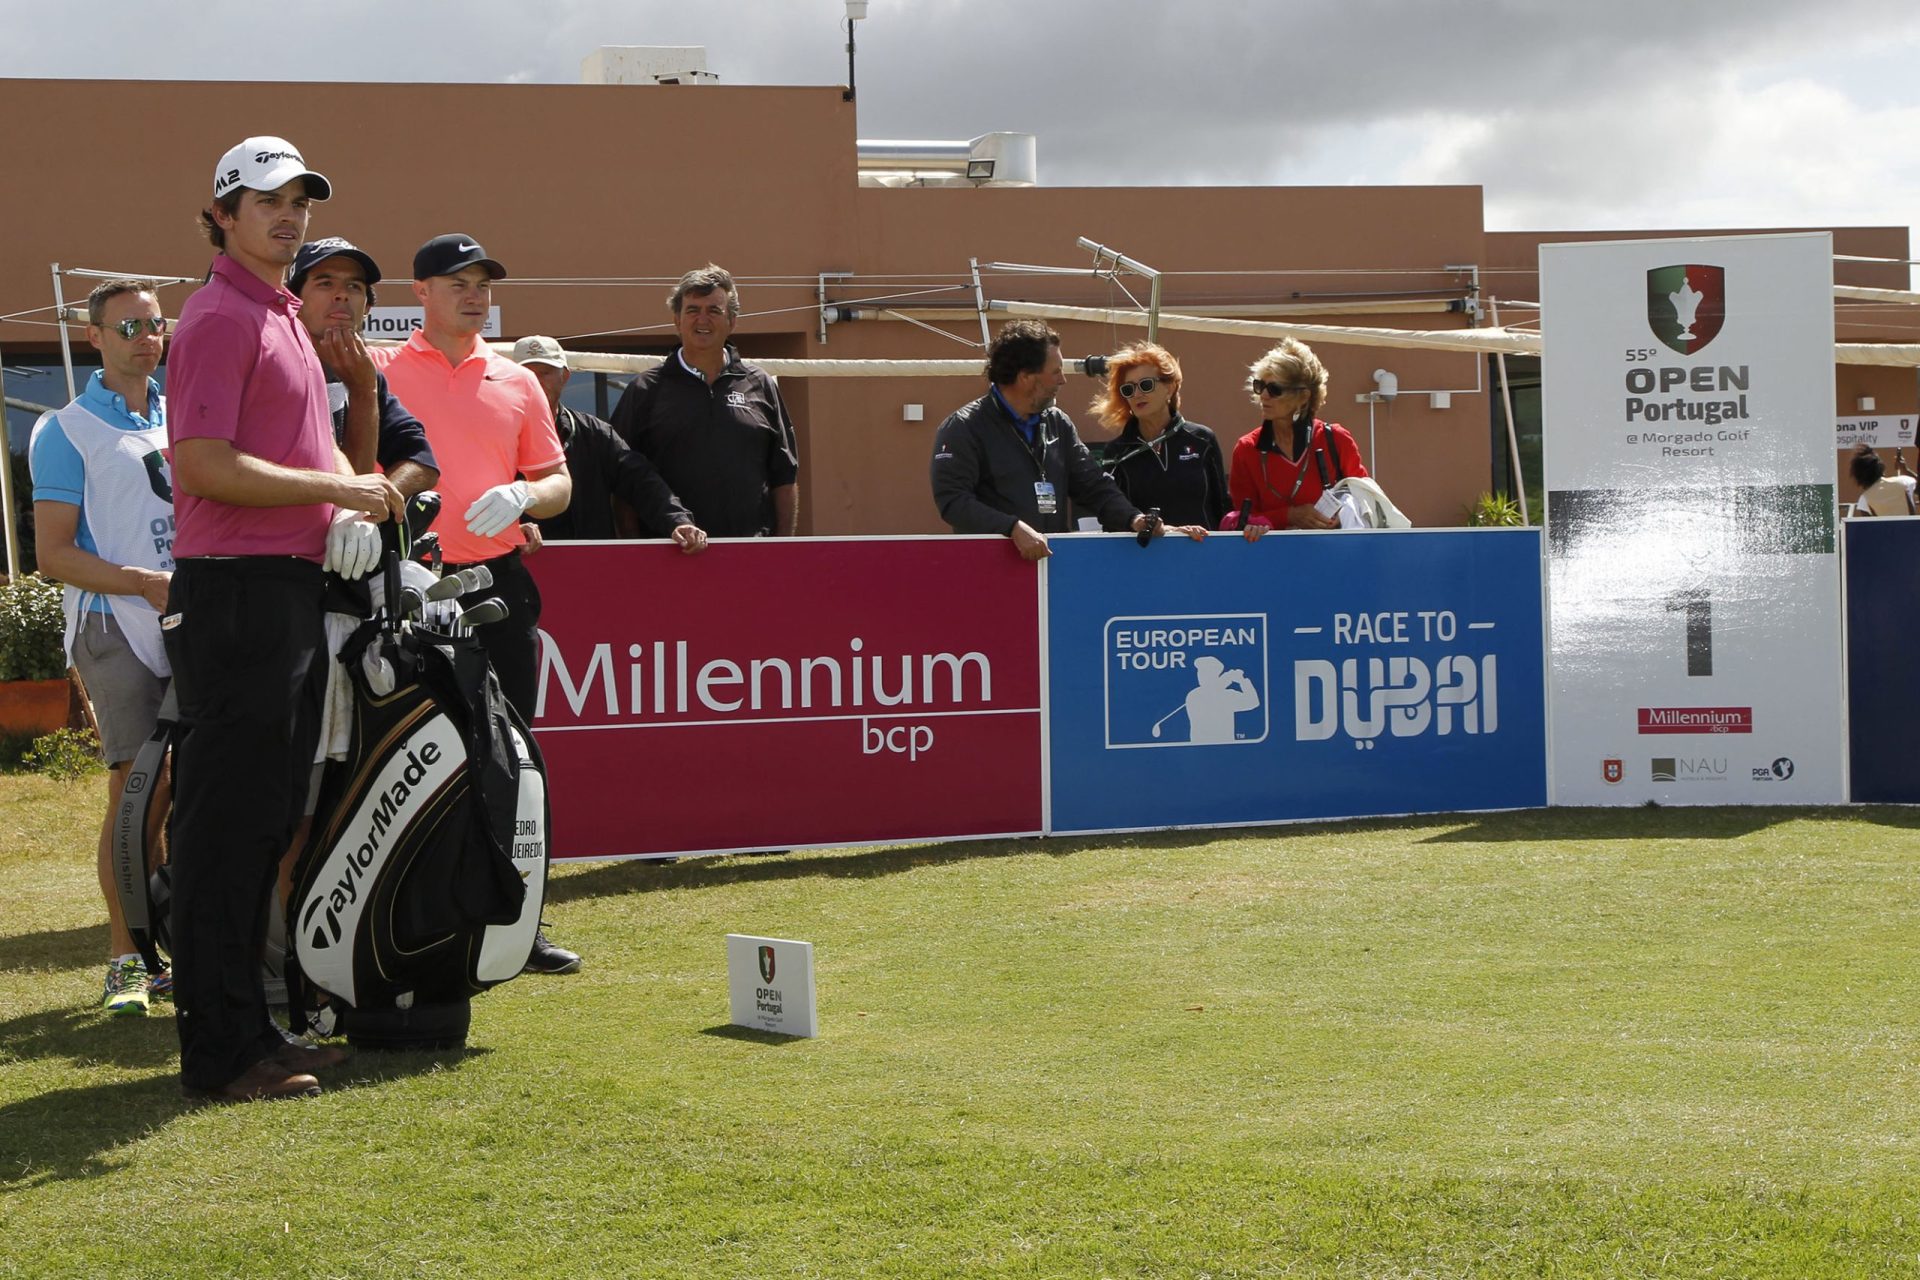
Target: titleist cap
266, 164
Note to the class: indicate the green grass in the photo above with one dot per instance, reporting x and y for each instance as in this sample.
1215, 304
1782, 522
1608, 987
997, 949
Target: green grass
1571, 1043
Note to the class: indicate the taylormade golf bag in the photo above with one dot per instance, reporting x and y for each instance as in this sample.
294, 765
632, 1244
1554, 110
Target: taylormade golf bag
425, 868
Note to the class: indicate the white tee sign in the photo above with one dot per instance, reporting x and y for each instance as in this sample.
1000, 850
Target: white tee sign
770, 982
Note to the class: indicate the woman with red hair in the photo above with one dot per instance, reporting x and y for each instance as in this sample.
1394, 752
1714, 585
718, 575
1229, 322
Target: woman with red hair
1160, 460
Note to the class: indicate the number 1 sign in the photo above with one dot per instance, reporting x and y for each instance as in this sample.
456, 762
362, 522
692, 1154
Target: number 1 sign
1694, 610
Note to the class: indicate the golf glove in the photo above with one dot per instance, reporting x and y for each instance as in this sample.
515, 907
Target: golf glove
498, 508
353, 545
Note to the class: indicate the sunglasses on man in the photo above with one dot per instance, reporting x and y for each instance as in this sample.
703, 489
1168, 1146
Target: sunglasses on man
131, 329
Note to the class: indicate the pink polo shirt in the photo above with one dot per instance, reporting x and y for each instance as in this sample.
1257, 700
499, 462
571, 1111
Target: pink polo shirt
241, 368
488, 422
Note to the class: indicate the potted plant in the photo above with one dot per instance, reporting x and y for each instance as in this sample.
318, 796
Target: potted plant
33, 659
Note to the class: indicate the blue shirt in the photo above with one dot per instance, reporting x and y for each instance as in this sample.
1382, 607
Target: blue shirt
59, 475
1029, 426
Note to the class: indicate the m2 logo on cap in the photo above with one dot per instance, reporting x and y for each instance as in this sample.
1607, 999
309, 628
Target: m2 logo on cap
227, 179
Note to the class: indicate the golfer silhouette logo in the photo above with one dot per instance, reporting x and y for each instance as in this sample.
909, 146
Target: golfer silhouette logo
1216, 698
1186, 680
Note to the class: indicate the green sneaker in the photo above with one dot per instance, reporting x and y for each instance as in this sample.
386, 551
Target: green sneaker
126, 990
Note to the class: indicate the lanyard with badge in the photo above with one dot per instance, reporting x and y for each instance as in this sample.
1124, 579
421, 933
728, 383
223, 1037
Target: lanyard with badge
1046, 501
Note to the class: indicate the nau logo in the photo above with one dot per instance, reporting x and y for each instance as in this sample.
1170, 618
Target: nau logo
766, 964
1686, 305
1612, 771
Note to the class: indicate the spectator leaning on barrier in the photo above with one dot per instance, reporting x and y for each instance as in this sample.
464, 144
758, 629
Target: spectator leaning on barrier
617, 493
1009, 462
1280, 470
714, 424
1881, 495
103, 513
258, 481
1160, 460
492, 431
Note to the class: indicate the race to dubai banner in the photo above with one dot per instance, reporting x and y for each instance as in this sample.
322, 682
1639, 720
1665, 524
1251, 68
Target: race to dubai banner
777, 692
1693, 588
1307, 675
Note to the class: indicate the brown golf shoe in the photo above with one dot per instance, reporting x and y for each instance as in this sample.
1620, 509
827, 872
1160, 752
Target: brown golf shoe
264, 1081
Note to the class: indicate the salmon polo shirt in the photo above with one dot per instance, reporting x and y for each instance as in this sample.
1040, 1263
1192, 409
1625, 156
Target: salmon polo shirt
488, 423
242, 369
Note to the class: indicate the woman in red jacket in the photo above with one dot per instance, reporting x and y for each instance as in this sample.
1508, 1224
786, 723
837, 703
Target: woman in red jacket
1280, 470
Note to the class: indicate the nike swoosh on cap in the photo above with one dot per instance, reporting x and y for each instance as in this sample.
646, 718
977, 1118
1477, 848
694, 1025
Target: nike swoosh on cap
467, 248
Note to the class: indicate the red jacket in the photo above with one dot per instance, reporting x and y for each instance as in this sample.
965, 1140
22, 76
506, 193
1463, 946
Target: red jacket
1262, 473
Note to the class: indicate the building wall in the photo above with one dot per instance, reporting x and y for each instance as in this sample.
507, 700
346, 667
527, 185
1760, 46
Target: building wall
597, 196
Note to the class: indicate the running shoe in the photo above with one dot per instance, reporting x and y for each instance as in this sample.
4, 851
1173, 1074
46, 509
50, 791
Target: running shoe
160, 985
126, 990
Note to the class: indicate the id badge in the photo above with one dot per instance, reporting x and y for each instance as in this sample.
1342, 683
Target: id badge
1044, 497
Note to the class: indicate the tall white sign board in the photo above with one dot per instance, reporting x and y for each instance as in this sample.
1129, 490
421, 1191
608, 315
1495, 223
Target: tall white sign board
770, 984
1693, 583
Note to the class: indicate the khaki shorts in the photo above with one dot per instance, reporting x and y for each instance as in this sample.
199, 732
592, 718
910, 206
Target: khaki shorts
125, 694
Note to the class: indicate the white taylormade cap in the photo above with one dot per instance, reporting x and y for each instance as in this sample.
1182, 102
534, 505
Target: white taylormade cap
266, 164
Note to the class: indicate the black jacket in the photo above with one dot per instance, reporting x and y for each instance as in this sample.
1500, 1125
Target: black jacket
1185, 476
722, 448
984, 472
604, 468
401, 438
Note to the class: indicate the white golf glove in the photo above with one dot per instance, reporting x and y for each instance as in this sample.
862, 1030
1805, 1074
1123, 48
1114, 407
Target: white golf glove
498, 508
353, 545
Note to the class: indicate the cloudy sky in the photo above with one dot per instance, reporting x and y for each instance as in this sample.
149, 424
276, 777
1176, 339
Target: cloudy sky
1572, 115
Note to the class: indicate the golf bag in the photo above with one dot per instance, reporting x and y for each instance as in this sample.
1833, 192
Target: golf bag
423, 874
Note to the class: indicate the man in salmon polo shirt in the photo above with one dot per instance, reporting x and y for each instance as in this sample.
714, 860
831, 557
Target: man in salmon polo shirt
500, 458
259, 488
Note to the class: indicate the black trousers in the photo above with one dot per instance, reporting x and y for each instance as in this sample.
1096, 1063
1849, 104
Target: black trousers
513, 643
249, 666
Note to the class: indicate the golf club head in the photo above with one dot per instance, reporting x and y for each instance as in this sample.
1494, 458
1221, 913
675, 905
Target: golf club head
413, 602
421, 509
492, 609
426, 546
469, 580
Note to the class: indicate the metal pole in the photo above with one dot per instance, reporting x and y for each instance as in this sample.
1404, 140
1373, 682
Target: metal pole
1120, 260
980, 302
1153, 311
6, 481
1506, 396
60, 314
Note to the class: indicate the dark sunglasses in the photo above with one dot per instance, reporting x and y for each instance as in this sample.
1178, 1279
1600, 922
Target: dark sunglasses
1271, 388
131, 329
1144, 385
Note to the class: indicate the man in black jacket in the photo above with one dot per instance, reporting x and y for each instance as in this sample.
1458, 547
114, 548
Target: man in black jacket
714, 424
1009, 462
617, 492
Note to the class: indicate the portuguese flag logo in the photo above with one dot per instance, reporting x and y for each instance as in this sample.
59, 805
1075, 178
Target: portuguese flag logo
1686, 305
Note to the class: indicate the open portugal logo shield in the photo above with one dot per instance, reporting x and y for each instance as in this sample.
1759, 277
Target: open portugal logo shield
766, 964
1686, 305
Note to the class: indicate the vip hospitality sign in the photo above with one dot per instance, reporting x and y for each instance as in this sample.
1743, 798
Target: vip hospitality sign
1303, 676
1878, 431
400, 323
1695, 606
774, 693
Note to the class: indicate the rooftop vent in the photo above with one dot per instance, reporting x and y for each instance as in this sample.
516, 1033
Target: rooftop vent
647, 64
